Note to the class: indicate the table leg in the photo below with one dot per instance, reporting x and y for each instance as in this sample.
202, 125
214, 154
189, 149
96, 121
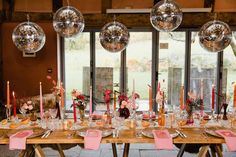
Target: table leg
218, 150
39, 151
22, 153
126, 150
114, 150
203, 151
60, 150
181, 150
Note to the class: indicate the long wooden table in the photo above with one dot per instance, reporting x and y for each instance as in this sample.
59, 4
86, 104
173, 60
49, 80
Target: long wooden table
194, 136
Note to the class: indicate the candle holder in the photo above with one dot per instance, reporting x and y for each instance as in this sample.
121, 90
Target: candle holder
225, 111
8, 111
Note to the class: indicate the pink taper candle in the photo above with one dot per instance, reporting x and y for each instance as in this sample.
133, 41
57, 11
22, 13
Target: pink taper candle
8, 92
90, 101
41, 99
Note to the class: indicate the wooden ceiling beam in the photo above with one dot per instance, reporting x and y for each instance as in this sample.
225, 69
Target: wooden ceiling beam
209, 4
190, 20
56, 4
106, 4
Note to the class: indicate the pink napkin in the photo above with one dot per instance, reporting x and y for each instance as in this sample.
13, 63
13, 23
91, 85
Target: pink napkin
230, 138
162, 139
92, 139
18, 140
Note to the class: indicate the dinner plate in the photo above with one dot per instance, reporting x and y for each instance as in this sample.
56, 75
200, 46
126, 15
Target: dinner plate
148, 133
213, 133
36, 132
105, 132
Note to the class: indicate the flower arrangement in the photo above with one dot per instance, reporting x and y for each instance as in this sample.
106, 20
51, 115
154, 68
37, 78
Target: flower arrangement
57, 87
124, 105
192, 103
79, 99
28, 107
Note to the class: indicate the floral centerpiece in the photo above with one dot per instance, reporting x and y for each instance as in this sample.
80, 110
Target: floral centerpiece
192, 103
124, 105
80, 102
28, 107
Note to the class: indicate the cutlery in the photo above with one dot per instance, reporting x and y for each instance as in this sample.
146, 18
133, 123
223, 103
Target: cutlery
179, 133
50, 131
46, 132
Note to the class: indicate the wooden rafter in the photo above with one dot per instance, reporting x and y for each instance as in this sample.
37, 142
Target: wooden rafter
106, 4
209, 4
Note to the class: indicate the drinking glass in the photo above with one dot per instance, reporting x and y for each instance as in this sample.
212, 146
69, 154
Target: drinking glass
53, 112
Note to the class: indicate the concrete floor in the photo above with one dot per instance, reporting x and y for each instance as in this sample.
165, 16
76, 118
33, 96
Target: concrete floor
136, 150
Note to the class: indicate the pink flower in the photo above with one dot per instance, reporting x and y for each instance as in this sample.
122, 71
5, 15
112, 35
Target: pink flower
25, 106
30, 107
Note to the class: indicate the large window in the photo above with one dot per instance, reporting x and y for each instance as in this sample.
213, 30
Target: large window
139, 63
202, 71
171, 65
109, 68
77, 65
107, 71
229, 72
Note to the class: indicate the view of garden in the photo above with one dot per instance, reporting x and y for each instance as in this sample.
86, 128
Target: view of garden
171, 56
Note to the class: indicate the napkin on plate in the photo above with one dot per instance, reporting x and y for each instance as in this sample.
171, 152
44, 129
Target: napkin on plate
18, 140
92, 139
230, 138
162, 139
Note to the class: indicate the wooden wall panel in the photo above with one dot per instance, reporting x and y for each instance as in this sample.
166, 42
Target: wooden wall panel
25, 74
0, 5
225, 6
86, 7
33, 6
190, 3
131, 4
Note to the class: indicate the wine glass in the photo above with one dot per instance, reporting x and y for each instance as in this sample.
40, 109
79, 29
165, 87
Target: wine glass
53, 112
231, 118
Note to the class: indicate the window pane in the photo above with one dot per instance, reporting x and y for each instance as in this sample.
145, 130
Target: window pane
203, 71
77, 65
229, 72
171, 65
107, 72
139, 60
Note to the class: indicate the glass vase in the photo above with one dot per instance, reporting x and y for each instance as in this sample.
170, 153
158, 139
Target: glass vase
82, 114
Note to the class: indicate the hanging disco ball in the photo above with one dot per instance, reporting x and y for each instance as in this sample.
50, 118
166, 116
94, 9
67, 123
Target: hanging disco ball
114, 37
28, 37
166, 16
215, 36
68, 21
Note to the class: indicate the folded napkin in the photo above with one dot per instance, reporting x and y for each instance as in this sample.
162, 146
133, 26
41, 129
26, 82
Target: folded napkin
92, 139
230, 138
162, 139
18, 140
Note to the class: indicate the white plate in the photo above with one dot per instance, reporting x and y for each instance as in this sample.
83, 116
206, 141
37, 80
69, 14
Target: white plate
149, 134
105, 132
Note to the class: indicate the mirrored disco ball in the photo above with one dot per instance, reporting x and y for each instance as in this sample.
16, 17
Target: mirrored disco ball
166, 16
114, 37
215, 36
68, 21
28, 37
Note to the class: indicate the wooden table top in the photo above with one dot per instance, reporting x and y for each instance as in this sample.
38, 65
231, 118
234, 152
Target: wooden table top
194, 136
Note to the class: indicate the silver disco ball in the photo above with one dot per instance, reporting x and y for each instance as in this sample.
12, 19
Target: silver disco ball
68, 21
166, 16
28, 37
215, 36
114, 37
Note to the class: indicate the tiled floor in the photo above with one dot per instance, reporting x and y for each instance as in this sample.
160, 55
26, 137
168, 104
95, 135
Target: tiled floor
136, 150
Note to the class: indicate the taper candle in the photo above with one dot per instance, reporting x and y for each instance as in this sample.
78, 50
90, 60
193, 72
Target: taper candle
150, 97
181, 98
8, 92
41, 99
90, 101
62, 96
114, 100
234, 103
14, 103
74, 111
202, 98
213, 97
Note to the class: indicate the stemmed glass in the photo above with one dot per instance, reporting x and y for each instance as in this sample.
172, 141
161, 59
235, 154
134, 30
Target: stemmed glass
53, 112
231, 118
8, 111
